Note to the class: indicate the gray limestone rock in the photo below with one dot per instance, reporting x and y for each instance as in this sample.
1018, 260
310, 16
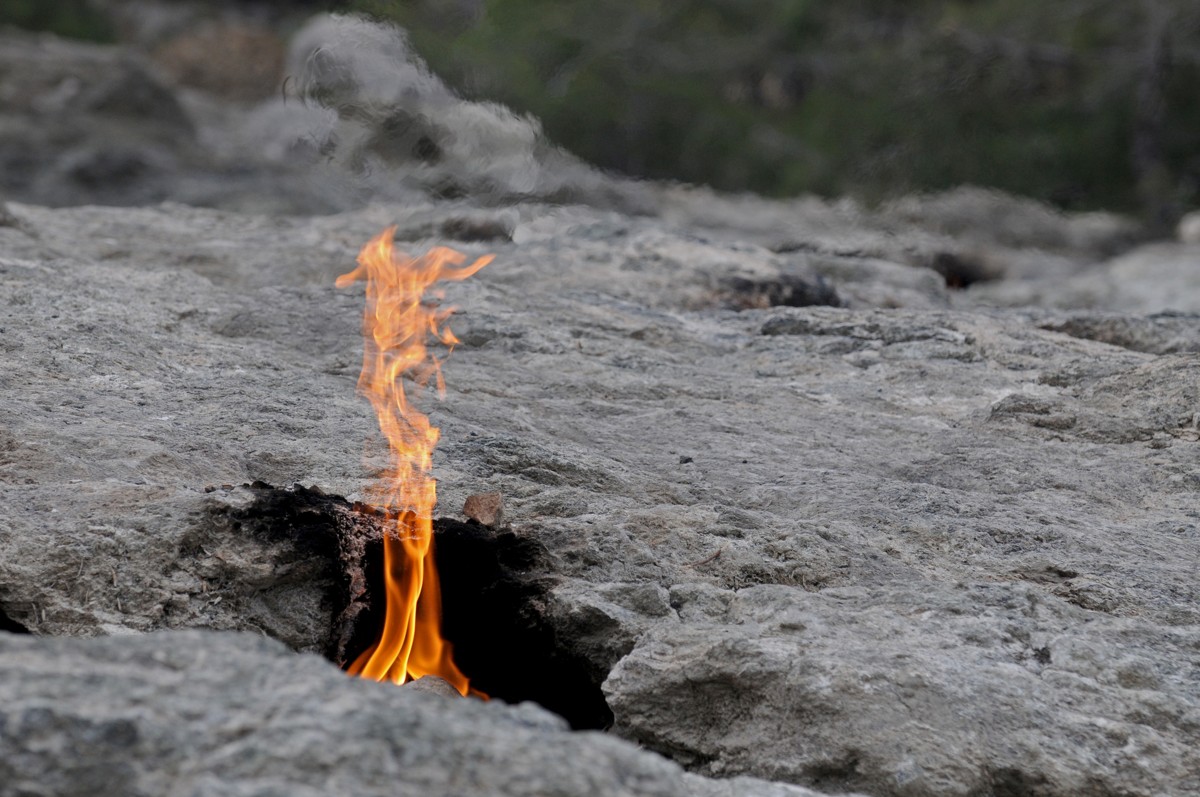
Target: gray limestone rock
1157, 333
949, 689
1188, 230
193, 713
1154, 278
85, 121
1014, 222
936, 495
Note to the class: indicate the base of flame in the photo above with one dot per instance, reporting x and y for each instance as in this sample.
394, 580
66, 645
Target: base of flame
411, 645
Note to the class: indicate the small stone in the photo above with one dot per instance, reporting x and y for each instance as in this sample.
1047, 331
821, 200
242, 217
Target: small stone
485, 508
1188, 230
434, 685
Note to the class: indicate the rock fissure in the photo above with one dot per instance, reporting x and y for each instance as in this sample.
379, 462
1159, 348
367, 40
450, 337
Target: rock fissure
497, 601
10, 625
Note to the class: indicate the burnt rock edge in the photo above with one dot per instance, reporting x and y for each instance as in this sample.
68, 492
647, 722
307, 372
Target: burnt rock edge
324, 527
495, 595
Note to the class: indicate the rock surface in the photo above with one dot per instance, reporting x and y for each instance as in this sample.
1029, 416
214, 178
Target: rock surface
1155, 278
909, 541
931, 689
674, 459
190, 713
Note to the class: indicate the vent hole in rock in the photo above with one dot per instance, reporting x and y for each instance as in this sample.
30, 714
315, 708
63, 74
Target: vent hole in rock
494, 603
960, 271
10, 625
786, 290
495, 594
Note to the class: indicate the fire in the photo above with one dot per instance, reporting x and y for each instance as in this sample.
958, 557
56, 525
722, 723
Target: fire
398, 321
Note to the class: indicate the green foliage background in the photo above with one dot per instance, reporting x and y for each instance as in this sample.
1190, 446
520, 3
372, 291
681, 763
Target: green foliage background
870, 97
74, 18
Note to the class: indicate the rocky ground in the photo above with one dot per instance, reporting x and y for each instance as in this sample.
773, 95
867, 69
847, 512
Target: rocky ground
899, 501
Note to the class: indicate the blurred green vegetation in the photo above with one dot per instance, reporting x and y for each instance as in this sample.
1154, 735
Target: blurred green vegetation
76, 19
1084, 103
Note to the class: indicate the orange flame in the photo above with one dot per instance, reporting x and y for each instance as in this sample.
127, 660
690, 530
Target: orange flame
396, 324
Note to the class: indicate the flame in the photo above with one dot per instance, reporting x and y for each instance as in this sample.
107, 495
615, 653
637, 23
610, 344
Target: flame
397, 322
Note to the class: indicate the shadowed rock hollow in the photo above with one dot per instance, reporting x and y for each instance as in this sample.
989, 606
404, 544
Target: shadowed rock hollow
906, 540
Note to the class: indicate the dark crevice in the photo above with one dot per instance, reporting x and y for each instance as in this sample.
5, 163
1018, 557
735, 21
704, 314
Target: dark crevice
786, 290
841, 773
10, 625
495, 602
1012, 782
960, 271
495, 597
477, 229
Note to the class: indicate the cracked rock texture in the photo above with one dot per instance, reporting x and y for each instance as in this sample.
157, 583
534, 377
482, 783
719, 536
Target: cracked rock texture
190, 714
983, 688
907, 541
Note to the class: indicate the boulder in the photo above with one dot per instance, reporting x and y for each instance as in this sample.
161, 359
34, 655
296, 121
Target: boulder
86, 122
1159, 277
193, 713
955, 689
987, 217
393, 125
1188, 230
